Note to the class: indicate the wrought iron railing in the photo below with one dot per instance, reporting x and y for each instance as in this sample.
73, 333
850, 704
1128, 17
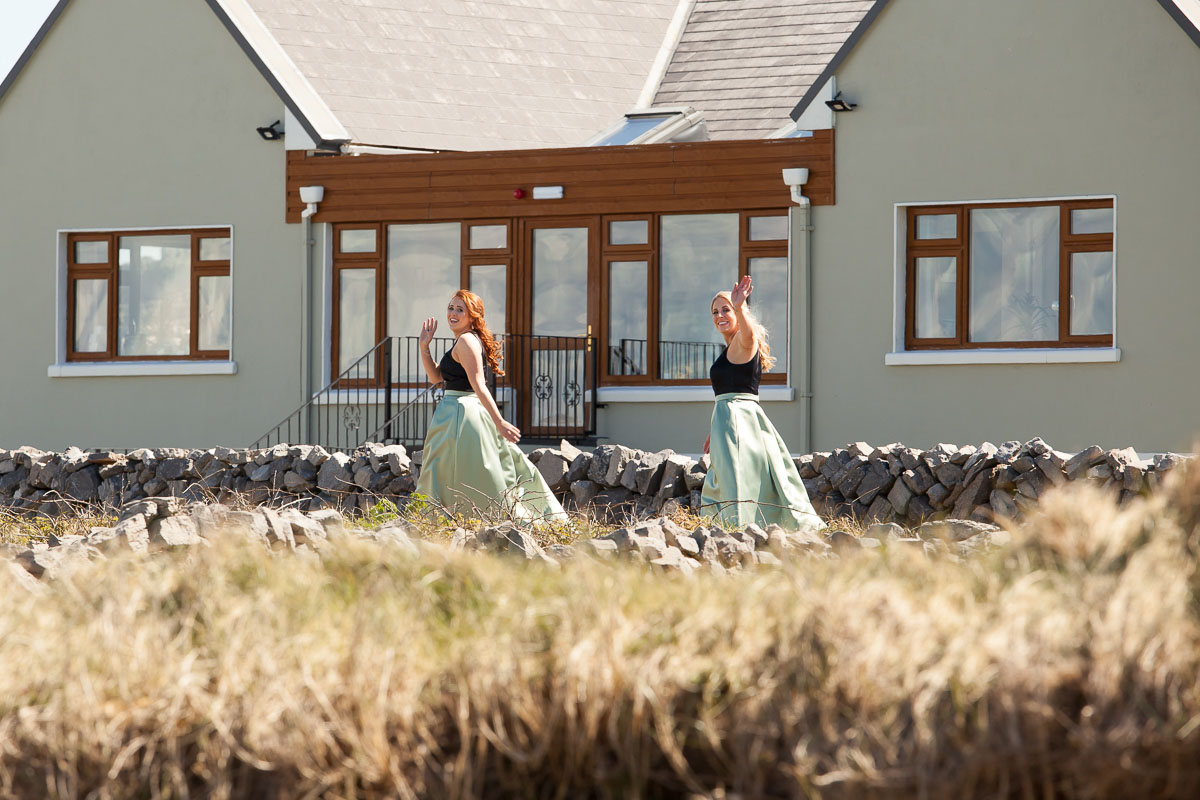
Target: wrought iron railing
548, 390
676, 360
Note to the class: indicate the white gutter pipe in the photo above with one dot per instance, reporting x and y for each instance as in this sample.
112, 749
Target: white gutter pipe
795, 178
311, 196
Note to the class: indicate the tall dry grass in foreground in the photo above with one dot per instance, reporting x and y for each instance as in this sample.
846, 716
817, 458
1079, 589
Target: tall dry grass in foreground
1065, 666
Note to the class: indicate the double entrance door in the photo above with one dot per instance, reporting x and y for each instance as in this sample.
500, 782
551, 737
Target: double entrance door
549, 313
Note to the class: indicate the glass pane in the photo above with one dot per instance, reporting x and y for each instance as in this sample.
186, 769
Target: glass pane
488, 281
91, 316
937, 226
764, 229
489, 237
215, 249
214, 310
937, 280
770, 304
560, 266
627, 318
1091, 220
1014, 274
154, 291
557, 388
699, 258
1091, 294
356, 320
422, 273
632, 128
629, 231
357, 240
91, 252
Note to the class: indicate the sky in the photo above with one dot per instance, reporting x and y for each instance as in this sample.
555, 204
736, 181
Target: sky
19, 21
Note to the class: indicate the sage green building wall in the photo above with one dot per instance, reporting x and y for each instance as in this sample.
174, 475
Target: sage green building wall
985, 100
132, 114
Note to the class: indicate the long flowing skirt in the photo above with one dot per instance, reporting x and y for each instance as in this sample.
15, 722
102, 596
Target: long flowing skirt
751, 477
469, 468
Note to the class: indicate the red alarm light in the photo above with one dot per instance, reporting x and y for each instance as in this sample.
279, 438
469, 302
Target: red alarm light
518, 193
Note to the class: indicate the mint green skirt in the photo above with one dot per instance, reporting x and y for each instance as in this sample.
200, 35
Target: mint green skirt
752, 477
469, 468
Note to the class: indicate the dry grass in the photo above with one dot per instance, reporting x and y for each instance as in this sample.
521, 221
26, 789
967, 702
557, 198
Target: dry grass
1064, 666
23, 529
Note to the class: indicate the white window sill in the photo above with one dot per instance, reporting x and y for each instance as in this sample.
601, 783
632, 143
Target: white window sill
1015, 355
376, 397
112, 369
682, 394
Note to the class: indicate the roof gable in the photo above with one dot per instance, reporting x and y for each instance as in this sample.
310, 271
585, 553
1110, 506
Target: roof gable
1185, 12
456, 75
741, 64
17, 67
467, 75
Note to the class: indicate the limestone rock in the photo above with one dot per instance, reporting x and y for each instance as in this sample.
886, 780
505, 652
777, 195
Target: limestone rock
334, 474
554, 468
954, 530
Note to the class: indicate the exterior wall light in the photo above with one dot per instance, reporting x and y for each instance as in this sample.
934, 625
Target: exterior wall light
518, 194
272, 132
838, 104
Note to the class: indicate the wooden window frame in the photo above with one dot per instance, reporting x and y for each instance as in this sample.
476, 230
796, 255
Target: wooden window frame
465, 248
959, 248
610, 253
109, 271
342, 261
763, 248
515, 259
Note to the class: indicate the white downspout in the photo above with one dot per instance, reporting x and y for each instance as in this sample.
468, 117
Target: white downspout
310, 196
796, 178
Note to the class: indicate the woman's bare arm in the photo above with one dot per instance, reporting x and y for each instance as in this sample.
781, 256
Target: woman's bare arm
745, 340
428, 328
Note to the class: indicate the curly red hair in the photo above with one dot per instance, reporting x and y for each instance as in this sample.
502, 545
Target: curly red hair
491, 348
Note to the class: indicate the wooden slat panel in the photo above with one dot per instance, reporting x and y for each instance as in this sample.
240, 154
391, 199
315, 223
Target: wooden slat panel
696, 176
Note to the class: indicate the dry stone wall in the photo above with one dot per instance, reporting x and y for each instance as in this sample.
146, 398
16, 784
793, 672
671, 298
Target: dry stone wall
880, 484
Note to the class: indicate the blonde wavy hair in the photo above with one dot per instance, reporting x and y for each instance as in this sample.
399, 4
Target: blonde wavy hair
761, 337
491, 348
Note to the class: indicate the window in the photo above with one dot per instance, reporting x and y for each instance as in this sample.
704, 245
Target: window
640, 283
1010, 275
389, 278
149, 295
659, 274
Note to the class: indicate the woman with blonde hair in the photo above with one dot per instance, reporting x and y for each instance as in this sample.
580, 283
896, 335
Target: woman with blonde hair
751, 477
471, 460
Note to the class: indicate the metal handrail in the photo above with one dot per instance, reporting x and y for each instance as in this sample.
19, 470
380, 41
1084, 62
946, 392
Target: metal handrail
549, 390
336, 416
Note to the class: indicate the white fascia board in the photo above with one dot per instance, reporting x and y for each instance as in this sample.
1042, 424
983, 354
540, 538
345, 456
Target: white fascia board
133, 369
1016, 355
1191, 10
294, 135
818, 116
666, 52
682, 394
285, 72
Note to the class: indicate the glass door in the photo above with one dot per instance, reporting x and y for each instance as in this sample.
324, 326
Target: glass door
553, 358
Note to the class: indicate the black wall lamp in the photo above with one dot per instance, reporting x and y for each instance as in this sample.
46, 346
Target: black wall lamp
272, 132
838, 104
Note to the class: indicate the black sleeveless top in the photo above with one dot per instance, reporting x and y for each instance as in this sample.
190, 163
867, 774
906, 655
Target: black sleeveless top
728, 377
453, 373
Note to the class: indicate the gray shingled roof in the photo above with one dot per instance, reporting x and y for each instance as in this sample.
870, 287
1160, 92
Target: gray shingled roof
744, 63
472, 74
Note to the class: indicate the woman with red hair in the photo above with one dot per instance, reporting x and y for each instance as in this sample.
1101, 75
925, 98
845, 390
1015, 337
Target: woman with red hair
471, 462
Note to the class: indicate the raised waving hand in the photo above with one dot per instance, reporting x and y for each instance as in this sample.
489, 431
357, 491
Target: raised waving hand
741, 291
